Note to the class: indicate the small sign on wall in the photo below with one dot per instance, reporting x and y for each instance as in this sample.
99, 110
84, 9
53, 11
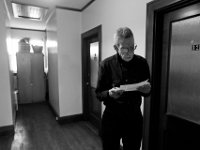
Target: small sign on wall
195, 47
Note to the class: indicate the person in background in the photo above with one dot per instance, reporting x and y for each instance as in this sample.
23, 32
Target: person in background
122, 117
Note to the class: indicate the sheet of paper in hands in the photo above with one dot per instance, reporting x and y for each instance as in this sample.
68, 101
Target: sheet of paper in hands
133, 87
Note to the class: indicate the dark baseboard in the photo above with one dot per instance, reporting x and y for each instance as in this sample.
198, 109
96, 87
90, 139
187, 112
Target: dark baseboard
7, 130
52, 110
70, 119
66, 119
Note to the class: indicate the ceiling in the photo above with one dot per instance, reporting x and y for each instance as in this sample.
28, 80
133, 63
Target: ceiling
23, 23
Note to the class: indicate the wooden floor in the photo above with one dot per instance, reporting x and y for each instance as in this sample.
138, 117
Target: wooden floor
37, 129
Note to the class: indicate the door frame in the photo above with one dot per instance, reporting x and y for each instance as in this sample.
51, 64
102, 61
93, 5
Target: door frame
155, 11
97, 31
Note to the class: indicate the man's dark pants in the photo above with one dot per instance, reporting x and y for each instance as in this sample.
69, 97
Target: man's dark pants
127, 127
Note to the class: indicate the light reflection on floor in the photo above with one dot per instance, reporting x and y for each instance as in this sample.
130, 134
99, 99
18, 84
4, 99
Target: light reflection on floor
20, 141
37, 129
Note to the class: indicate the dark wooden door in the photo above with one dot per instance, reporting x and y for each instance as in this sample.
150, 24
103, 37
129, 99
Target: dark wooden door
94, 106
91, 44
179, 109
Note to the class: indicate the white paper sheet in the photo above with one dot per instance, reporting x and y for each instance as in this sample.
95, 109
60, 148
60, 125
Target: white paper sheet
133, 87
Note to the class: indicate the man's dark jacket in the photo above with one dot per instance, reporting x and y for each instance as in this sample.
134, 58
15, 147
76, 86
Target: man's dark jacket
113, 72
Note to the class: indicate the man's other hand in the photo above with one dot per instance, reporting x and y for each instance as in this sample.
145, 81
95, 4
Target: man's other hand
146, 88
115, 92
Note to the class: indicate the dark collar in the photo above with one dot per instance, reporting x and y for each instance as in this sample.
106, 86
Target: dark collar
124, 63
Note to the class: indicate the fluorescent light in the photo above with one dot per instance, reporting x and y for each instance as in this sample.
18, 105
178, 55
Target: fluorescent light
28, 12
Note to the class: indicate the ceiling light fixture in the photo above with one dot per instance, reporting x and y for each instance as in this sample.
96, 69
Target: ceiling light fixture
28, 12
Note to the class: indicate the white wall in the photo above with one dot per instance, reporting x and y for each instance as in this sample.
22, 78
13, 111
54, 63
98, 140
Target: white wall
5, 96
65, 93
69, 62
53, 63
12, 83
113, 14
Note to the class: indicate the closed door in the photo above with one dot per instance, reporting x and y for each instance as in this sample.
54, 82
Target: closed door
30, 74
24, 77
94, 104
179, 112
37, 77
91, 57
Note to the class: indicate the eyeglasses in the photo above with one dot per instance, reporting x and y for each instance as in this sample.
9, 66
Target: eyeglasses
128, 49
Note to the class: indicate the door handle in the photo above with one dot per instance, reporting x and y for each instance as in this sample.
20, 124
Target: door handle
87, 83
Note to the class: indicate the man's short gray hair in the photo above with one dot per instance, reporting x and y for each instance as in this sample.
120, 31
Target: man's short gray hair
124, 32
121, 34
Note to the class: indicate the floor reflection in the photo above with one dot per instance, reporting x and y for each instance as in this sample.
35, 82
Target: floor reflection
37, 129
19, 142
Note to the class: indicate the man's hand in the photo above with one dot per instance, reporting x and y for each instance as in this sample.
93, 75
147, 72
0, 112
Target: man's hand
115, 92
146, 88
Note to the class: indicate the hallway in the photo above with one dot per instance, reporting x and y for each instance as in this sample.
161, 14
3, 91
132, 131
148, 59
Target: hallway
37, 129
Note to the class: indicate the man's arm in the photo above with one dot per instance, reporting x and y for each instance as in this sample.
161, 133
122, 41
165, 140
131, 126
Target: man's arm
145, 89
102, 90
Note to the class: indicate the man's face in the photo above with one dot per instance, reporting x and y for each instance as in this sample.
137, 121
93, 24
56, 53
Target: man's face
126, 49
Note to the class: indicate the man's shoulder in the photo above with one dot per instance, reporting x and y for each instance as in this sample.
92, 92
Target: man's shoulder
140, 58
109, 59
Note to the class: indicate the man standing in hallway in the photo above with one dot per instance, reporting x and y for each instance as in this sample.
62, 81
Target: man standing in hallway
117, 88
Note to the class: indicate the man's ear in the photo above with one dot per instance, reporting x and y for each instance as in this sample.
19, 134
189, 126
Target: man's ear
115, 47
